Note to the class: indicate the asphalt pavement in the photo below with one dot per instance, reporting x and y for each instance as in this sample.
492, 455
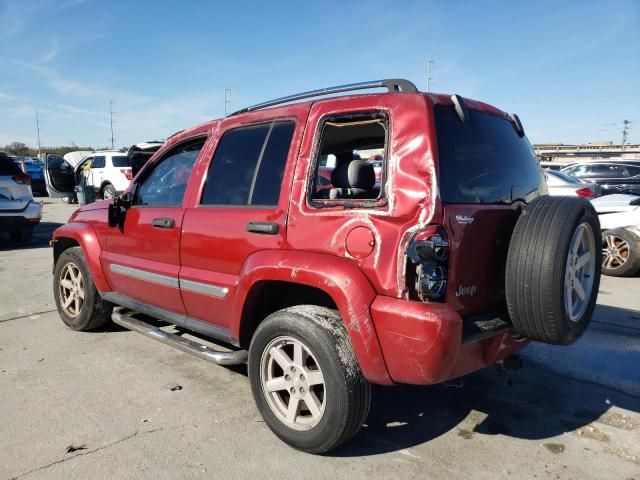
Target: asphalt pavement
114, 404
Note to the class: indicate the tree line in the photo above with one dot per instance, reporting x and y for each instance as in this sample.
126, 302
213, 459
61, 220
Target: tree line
20, 149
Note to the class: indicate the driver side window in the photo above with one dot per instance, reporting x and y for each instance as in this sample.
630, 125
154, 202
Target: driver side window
166, 183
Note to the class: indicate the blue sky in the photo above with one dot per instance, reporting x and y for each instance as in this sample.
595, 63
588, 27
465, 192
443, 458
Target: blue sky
567, 68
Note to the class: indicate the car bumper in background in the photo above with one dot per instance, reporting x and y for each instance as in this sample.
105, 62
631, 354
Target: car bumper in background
30, 215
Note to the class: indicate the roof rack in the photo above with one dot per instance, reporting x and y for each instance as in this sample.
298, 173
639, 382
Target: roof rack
391, 84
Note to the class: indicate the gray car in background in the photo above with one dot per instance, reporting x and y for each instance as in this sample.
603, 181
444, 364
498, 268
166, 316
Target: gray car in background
561, 184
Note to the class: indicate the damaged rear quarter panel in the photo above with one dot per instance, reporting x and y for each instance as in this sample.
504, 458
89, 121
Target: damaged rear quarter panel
339, 278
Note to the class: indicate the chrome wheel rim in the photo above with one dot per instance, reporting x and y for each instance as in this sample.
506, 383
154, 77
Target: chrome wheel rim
71, 290
615, 252
293, 383
107, 193
579, 272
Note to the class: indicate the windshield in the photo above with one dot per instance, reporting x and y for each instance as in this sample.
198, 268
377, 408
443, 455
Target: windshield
484, 160
120, 161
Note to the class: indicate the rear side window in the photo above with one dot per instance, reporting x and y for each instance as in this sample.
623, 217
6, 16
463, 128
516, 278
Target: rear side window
248, 165
8, 167
633, 171
120, 161
484, 160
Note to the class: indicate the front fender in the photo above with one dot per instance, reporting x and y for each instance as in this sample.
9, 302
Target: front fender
85, 236
337, 277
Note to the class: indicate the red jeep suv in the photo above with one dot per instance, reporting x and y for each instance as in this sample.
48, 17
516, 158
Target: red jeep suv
451, 262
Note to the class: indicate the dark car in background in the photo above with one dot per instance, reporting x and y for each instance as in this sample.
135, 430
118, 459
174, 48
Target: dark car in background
614, 176
34, 167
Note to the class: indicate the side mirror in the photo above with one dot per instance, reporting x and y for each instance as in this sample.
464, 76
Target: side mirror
118, 209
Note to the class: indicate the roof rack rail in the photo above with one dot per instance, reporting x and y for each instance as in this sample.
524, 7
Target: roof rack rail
391, 84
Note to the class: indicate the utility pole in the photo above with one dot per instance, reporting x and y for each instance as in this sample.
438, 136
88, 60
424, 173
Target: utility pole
429, 77
111, 122
625, 131
38, 131
227, 99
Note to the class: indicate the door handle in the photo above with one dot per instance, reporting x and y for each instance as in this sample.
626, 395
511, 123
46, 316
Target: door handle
264, 228
163, 222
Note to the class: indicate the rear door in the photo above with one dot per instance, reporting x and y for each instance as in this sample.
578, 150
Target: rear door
142, 259
241, 208
59, 176
487, 171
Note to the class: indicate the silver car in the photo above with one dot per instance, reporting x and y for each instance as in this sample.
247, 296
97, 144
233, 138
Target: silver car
561, 184
19, 213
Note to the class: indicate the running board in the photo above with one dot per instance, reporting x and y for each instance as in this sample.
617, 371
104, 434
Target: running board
126, 320
481, 328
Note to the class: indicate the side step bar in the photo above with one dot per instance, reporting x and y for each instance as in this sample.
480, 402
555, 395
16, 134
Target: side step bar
125, 319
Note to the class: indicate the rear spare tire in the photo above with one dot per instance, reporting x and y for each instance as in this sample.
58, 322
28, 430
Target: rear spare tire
553, 269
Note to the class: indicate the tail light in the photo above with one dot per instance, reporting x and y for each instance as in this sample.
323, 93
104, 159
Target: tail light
428, 255
22, 179
585, 192
127, 173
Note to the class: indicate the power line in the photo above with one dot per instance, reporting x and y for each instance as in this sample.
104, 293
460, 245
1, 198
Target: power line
588, 97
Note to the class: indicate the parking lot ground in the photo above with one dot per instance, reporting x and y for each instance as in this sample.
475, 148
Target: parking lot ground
106, 405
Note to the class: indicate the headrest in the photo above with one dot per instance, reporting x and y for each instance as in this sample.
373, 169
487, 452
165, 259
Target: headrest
354, 174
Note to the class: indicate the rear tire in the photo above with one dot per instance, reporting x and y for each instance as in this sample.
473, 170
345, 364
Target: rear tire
553, 269
22, 234
342, 398
620, 253
79, 304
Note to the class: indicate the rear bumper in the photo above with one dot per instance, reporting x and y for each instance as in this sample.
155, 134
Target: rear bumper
422, 343
30, 215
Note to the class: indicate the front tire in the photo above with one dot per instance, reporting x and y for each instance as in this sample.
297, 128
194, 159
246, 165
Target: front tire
79, 303
305, 379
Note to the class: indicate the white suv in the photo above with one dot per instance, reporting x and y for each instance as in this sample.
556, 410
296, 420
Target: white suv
109, 172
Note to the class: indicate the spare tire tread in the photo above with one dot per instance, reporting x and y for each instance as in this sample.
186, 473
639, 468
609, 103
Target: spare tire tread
535, 270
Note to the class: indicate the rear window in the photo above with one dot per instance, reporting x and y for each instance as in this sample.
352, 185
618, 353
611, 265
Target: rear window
8, 167
484, 160
120, 161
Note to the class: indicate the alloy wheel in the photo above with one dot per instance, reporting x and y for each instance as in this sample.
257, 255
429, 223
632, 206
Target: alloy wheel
579, 272
615, 252
71, 290
293, 383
